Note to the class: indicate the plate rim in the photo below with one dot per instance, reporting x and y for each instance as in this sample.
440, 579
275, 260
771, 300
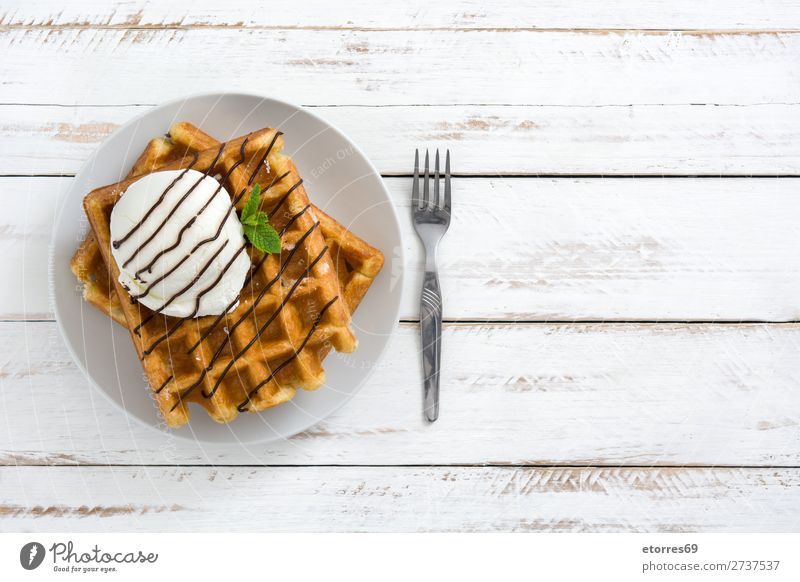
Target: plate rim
160, 427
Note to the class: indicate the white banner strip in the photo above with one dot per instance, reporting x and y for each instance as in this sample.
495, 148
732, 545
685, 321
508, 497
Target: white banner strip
402, 557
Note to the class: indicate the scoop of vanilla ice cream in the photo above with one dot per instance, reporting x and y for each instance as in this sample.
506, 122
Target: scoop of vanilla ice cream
174, 264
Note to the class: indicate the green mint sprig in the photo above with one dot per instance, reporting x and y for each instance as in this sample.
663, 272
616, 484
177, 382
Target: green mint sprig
256, 224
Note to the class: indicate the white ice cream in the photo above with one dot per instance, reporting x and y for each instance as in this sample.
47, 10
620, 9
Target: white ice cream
136, 201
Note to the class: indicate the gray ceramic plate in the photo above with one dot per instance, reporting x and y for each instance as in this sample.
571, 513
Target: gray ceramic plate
339, 179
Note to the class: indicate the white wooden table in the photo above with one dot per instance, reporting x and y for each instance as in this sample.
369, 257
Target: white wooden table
622, 275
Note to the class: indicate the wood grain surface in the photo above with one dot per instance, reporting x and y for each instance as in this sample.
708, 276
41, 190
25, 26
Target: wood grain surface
544, 394
453, 14
400, 67
513, 140
621, 276
520, 499
543, 249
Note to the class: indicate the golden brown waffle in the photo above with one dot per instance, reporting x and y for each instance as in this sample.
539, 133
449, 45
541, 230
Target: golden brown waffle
357, 265
274, 341
357, 262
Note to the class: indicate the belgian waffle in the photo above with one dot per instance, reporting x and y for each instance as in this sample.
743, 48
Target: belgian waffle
357, 262
291, 311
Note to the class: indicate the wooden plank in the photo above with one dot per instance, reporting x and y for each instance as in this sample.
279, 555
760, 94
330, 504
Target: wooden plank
457, 14
548, 249
576, 394
484, 140
112, 66
395, 499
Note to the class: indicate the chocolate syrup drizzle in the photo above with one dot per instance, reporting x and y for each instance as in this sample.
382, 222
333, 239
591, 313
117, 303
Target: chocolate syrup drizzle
164, 385
174, 209
185, 288
284, 197
266, 324
188, 225
230, 306
203, 242
253, 175
261, 295
116, 244
254, 270
243, 406
250, 344
197, 302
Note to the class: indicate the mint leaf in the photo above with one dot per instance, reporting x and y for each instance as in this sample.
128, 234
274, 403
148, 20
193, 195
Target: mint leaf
250, 210
256, 225
264, 237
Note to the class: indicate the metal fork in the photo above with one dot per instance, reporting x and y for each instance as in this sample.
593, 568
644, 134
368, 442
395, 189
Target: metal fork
431, 219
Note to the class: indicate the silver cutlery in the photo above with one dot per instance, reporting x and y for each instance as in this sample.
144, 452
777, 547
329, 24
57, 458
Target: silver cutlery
431, 220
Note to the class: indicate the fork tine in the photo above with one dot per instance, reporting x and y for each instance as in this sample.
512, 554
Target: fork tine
415, 201
426, 198
436, 181
447, 184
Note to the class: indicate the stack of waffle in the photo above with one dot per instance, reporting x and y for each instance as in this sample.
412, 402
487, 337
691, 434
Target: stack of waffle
295, 305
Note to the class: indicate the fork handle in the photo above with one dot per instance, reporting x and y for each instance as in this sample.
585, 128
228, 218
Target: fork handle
430, 315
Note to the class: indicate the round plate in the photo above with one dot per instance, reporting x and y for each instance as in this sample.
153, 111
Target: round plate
339, 179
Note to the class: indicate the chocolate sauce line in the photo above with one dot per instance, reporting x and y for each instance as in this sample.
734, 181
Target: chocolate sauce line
166, 334
200, 295
254, 270
263, 328
291, 221
260, 296
264, 157
252, 342
277, 179
116, 244
174, 209
161, 198
203, 242
232, 205
250, 181
243, 406
285, 196
217, 280
253, 175
180, 322
164, 385
135, 298
188, 225
184, 289
144, 322
219, 229
222, 224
